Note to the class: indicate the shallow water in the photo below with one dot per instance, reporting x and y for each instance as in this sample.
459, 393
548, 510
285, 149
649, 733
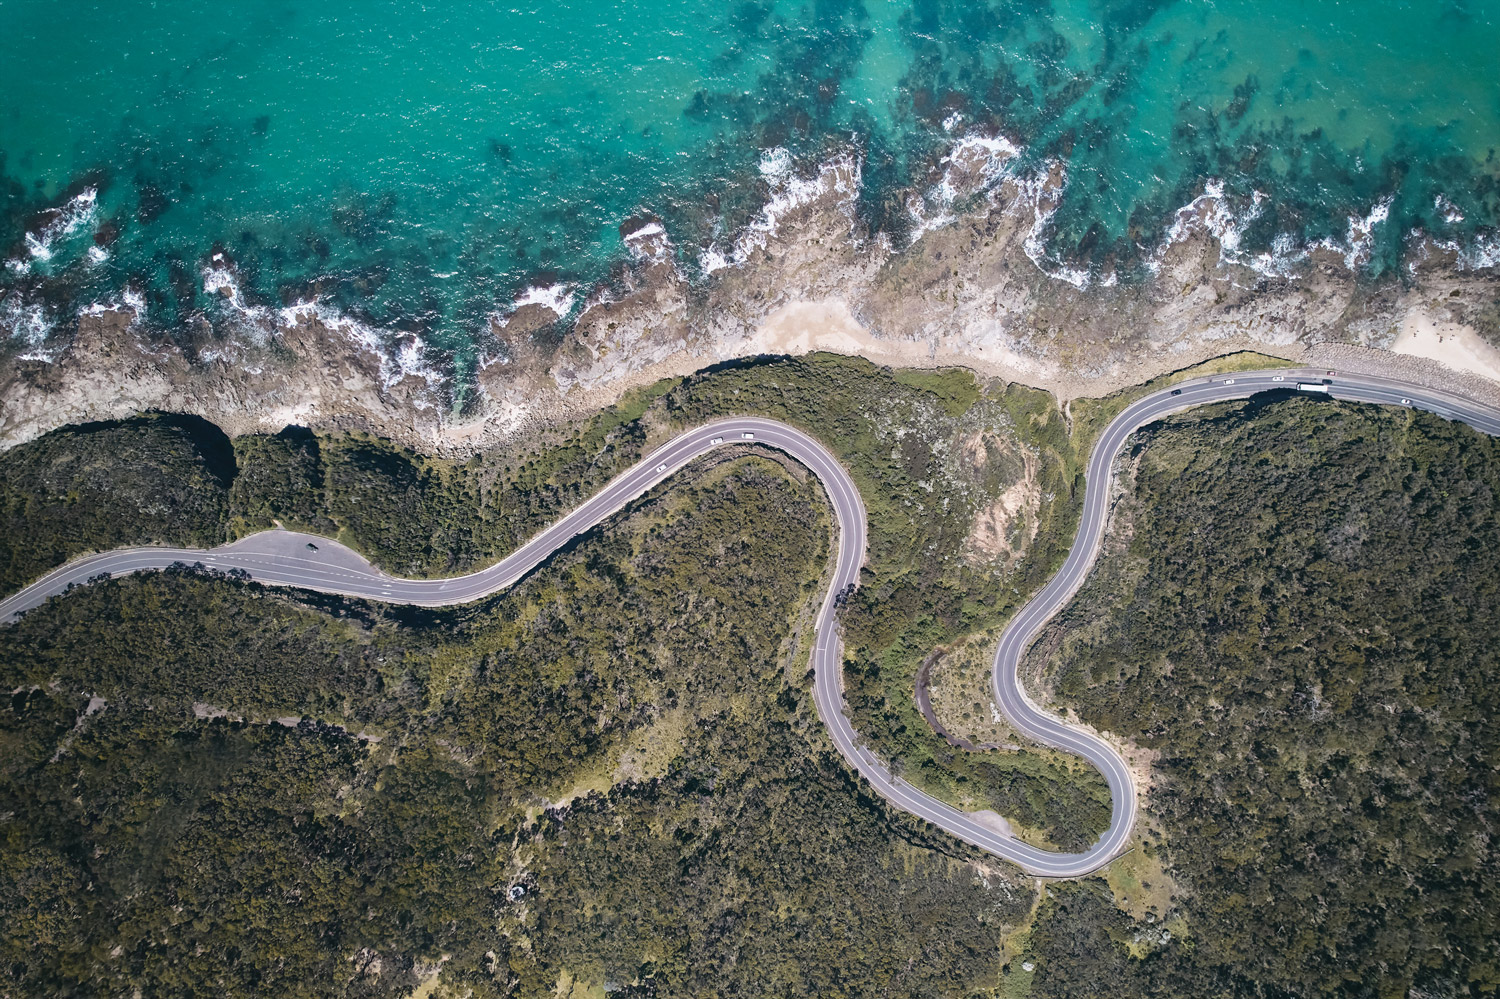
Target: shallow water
421, 164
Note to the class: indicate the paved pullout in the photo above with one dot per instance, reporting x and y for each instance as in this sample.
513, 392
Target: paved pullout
284, 558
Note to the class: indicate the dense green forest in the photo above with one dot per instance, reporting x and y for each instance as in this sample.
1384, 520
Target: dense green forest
928, 450
612, 778
1301, 614
151, 480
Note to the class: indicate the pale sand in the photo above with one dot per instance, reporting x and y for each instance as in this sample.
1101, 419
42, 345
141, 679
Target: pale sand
991, 819
828, 325
803, 327
1453, 345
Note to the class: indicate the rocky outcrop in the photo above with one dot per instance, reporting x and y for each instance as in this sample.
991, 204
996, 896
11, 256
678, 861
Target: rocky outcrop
974, 287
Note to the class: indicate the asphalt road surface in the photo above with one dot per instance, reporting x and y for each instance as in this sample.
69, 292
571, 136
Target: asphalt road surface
284, 558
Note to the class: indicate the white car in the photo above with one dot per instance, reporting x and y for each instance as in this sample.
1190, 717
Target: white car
717, 440
1277, 378
748, 436
1406, 402
1229, 381
661, 468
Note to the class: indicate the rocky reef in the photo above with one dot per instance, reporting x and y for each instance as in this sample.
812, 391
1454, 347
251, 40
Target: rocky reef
971, 284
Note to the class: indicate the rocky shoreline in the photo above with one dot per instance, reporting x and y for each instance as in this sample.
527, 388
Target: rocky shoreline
974, 289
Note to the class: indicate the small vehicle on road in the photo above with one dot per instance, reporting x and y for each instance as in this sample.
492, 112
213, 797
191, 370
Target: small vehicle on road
1406, 402
661, 468
311, 546
1278, 378
748, 436
1229, 381
717, 440
1177, 391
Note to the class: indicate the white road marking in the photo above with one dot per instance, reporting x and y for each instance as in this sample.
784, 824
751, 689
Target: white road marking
272, 557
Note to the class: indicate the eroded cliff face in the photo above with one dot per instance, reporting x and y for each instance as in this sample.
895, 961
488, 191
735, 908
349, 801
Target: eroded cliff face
974, 287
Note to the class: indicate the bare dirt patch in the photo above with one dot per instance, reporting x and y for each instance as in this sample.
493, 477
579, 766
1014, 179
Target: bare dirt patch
1006, 527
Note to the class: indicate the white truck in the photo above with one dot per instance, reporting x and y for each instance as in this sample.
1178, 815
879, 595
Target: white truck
1312, 387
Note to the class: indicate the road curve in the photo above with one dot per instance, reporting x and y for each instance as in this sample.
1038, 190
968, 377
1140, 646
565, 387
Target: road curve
284, 558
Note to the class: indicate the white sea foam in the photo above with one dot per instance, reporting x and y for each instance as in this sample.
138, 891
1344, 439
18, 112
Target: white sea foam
647, 230
26, 321
31, 325
1361, 238
973, 166
711, 260
649, 242
489, 359
839, 175
399, 354
1448, 210
1484, 252
255, 322
220, 278
1282, 259
79, 212
1226, 219
130, 301
557, 297
1038, 192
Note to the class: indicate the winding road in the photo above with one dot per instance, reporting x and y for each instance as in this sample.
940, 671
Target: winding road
285, 558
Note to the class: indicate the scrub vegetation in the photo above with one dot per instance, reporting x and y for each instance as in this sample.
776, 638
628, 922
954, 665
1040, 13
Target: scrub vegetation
909, 438
613, 780
235, 791
1302, 623
151, 480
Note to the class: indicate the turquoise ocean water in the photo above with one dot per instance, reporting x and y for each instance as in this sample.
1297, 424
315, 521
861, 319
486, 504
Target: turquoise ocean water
418, 164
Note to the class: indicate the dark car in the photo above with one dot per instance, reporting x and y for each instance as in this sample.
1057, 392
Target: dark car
311, 546
1177, 391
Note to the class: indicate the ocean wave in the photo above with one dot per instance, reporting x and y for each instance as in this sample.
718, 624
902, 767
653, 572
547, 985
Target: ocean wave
1041, 192
1447, 210
76, 213
32, 325
971, 167
839, 175
1226, 218
558, 297
1361, 235
638, 240
130, 300
399, 355
221, 282
1482, 252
